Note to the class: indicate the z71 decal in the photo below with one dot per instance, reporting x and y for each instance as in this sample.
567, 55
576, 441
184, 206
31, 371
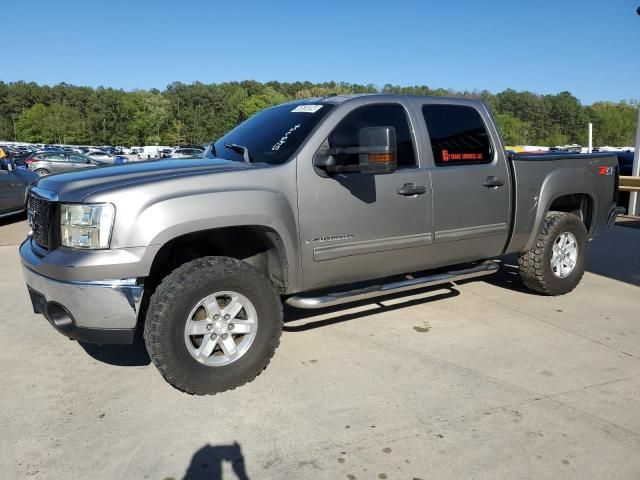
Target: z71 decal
605, 171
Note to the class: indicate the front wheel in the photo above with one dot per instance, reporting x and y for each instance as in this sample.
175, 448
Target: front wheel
555, 265
213, 324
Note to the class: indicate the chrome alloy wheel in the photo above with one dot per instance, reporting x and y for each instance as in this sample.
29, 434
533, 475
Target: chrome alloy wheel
221, 328
564, 255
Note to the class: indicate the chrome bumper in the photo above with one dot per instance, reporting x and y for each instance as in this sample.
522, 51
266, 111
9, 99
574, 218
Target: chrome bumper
99, 312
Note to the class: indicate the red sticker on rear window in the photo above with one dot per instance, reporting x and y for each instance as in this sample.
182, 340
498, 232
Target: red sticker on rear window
449, 157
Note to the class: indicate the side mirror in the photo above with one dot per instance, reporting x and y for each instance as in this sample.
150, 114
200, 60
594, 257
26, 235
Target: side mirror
11, 167
377, 150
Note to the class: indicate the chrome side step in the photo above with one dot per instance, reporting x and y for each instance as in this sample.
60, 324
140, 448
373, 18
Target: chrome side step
337, 298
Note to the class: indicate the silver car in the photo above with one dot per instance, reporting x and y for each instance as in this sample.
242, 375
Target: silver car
44, 163
14, 185
105, 157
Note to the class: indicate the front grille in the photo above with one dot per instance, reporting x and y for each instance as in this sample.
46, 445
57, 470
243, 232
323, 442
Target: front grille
39, 218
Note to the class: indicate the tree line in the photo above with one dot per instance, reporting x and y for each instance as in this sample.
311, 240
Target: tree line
200, 112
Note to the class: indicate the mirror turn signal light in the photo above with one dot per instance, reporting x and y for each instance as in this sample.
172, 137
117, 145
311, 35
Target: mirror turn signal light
386, 157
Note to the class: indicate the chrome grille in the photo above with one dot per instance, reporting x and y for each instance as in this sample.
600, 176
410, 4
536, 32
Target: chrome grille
39, 218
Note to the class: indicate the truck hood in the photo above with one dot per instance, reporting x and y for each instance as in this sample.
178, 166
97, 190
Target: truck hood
75, 186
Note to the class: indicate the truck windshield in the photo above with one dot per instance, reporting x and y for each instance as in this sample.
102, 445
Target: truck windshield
272, 135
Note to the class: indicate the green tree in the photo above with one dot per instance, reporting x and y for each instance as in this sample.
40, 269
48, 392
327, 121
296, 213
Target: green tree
202, 112
613, 123
251, 105
514, 131
33, 125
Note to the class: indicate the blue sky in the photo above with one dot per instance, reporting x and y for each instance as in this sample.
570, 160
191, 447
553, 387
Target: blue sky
588, 47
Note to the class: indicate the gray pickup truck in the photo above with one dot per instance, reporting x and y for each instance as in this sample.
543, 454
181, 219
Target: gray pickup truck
313, 203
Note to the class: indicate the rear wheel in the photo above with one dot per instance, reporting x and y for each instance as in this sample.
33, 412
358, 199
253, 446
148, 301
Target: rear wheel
42, 172
213, 324
557, 262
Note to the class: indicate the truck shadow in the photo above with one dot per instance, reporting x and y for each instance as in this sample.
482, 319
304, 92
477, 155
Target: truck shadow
614, 254
134, 355
508, 277
344, 313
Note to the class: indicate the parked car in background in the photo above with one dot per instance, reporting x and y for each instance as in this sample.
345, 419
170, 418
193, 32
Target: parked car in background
14, 187
19, 158
106, 157
43, 163
625, 164
199, 147
149, 152
50, 148
186, 153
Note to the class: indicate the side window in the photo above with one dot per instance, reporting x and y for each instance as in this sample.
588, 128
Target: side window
458, 135
346, 134
77, 159
56, 157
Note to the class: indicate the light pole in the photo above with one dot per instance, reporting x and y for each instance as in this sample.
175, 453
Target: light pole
635, 170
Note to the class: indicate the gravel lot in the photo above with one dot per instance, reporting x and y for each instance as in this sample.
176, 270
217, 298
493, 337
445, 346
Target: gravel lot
478, 380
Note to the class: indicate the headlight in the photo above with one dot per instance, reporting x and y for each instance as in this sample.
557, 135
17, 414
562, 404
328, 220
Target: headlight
86, 226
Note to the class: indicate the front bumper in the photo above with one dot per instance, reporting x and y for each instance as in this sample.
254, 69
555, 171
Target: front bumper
97, 312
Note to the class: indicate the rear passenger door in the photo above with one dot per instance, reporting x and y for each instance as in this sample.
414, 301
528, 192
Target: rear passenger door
470, 182
78, 161
56, 162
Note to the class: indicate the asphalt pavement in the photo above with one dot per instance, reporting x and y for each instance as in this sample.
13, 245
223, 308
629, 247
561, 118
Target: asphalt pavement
479, 380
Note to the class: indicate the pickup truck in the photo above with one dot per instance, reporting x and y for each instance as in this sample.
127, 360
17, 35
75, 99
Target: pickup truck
312, 203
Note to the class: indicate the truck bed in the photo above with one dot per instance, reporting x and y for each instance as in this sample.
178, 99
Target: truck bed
540, 179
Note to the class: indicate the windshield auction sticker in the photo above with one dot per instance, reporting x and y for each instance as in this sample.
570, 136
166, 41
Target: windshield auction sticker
306, 109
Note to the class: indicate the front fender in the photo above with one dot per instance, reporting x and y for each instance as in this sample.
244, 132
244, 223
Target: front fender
170, 218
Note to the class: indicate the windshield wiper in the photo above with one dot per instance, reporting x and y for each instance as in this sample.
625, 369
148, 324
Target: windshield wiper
239, 149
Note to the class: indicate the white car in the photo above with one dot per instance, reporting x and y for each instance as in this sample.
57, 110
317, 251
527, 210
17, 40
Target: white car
146, 153
186, 153
104, 157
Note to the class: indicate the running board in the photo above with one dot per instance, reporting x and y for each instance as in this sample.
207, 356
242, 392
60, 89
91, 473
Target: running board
337, 298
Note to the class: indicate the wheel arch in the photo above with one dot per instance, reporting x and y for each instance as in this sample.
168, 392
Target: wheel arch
260, 246
570, 190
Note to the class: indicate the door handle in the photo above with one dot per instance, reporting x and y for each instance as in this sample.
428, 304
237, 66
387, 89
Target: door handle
492, 181
409, 189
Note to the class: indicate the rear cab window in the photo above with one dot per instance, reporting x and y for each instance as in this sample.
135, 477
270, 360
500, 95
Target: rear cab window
458, 135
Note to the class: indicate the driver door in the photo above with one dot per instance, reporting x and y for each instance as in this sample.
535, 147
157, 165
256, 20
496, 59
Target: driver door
357, 226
